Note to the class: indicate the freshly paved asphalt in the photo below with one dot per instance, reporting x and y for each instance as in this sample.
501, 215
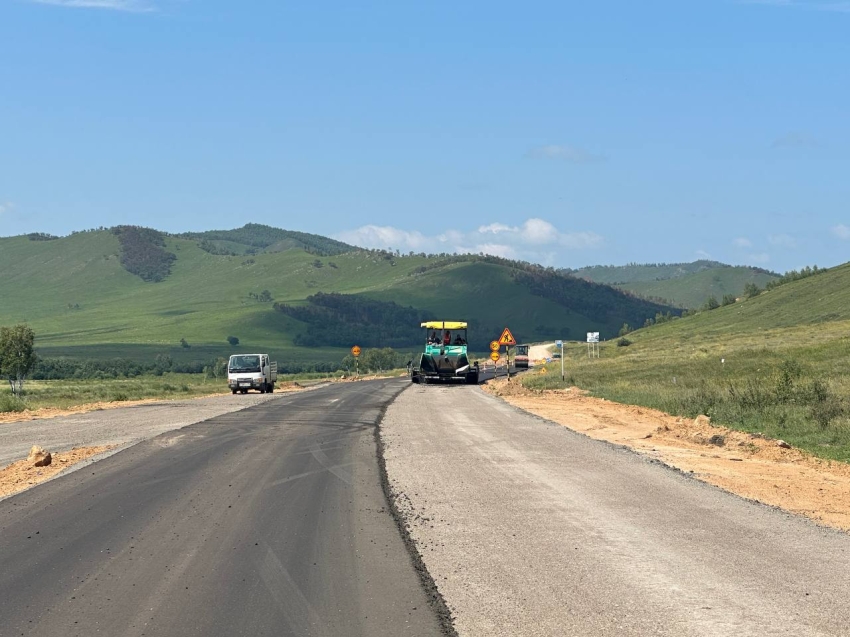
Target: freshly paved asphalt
267, 521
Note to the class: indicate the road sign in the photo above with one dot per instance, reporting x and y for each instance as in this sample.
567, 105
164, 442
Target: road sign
495, 356
507, 338
355, 351
559, 343
593, 337
494, 346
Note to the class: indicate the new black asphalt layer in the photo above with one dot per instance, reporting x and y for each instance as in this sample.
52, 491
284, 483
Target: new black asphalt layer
267, 521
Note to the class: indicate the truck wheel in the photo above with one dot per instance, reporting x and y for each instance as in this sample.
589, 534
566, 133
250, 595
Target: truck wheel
472, 379
271, 388
234, 391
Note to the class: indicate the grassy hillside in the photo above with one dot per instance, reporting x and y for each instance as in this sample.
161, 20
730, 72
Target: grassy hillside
692, 290
778, 364
82, 302
686, 285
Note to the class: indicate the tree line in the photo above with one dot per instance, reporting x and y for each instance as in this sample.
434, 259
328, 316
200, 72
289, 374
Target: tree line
341, 320
143, 252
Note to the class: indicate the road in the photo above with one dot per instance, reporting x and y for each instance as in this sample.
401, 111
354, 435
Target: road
267, 521
532, 530
120, 426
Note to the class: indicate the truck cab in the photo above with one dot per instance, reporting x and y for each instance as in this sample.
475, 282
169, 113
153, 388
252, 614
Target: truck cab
251, 371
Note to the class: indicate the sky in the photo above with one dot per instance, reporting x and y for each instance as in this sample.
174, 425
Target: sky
566, 133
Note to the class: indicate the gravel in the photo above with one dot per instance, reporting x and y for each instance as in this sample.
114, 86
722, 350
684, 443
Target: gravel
529, 529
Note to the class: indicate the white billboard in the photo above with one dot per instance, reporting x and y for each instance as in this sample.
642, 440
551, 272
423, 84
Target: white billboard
593, 337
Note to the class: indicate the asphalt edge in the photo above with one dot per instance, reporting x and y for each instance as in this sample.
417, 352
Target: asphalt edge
432, 592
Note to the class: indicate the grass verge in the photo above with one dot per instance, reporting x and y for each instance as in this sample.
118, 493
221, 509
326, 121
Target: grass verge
798, 394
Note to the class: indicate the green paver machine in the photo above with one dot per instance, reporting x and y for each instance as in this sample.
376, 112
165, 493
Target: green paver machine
445, 357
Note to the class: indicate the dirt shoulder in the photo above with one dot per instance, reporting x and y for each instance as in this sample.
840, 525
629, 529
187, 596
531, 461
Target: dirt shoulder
21, 475
54, 412
745, 464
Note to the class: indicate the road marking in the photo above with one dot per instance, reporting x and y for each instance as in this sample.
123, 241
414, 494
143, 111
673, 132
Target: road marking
322, 458
298, 476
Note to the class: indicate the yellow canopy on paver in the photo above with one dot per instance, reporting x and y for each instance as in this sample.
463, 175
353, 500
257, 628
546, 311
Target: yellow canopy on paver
445, 325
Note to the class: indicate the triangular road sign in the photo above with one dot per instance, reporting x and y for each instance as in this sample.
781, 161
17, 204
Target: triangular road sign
507, 338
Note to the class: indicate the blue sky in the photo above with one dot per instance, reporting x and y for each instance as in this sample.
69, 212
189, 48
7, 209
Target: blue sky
566, 133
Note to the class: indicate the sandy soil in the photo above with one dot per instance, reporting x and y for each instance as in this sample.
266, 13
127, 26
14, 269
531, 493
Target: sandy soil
745, 464
22, 474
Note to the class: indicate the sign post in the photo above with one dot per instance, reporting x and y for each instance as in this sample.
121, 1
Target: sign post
593, 344
507, 339
355, 352
561, 345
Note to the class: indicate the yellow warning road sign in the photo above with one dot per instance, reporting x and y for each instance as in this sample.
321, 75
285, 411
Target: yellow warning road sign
507, 338
494, 346
494, 355
355, 351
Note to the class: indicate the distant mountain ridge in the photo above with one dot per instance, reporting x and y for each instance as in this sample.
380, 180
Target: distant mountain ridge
686, 285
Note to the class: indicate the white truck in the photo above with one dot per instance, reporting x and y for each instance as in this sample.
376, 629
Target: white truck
251, 371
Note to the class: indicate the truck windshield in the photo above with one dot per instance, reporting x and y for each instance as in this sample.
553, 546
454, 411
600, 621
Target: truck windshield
244, 364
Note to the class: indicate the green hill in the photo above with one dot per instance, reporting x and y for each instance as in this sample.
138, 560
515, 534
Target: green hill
680, 284
136, 293
777, 364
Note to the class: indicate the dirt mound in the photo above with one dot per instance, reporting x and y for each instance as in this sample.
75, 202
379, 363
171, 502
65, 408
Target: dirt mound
746, 464
23, 474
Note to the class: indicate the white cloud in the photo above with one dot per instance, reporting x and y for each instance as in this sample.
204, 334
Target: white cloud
570, 154
841, 231
386, 237
743, 242
134, 6
496, 228
782, 241
534, 240
702, 254
761, 257
6, 207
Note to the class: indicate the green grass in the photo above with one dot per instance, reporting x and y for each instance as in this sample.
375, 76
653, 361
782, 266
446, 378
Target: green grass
63, 394
785, 370
691, 291
81, 303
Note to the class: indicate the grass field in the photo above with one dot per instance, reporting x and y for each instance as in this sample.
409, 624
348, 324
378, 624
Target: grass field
777, 364
63, 394
82, 303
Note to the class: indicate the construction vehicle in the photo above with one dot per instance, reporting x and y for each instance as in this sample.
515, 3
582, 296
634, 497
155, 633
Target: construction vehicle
445, 358
251, 371
521, 357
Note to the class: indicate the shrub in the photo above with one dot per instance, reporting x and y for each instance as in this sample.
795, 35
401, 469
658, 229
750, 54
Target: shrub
234, 341
623, 342
11, 404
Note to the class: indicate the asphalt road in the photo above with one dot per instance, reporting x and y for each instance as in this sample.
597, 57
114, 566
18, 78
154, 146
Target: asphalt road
532, 530
120, 426
267, 521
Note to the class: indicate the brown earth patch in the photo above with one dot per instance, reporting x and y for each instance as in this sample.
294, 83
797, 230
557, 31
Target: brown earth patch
22, 474
745, 464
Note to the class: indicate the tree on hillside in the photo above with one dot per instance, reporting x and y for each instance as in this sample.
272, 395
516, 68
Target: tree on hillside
17, 356
711, 303
751, 290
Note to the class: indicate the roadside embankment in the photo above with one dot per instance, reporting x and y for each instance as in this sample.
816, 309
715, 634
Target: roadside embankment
748, 465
